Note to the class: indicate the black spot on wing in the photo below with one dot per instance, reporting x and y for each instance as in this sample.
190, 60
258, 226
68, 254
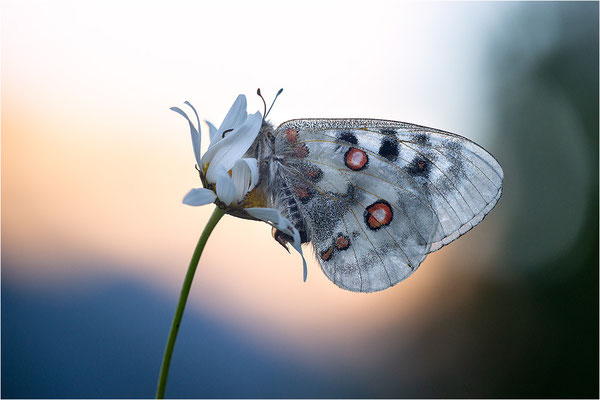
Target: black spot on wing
389, 132
419, 167
421, 138
452, 146
348, 137
389, 149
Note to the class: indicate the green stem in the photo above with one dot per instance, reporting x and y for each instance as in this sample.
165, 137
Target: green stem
185, 291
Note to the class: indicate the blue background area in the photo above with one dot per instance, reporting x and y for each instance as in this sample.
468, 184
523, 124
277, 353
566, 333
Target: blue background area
108, 343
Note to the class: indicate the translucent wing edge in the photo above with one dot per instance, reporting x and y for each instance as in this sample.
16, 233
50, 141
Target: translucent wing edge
467, 226
318, 124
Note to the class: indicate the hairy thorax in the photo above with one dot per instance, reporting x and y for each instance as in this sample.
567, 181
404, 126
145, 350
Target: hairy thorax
276, 166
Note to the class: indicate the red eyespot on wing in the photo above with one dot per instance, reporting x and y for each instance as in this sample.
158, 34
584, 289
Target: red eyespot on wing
313, 173
291, 135
300, 151
356, 159
303, 193
326, 255
342, 242
378, 214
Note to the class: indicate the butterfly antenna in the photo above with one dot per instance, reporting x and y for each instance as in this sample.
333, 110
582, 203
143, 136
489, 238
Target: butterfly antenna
264, 102
276, 96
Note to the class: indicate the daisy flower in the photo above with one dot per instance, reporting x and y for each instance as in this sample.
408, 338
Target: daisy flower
230, 174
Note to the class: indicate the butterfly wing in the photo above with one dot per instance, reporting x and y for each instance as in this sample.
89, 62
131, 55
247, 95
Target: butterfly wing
377, 196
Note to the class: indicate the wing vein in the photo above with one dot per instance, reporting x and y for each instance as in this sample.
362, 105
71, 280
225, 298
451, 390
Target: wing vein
355, 256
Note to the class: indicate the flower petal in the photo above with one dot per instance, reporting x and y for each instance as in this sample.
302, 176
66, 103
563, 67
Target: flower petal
244, 175
232, 147
213, 132
199, 197
274, 218
195, 112
236, 115
195, 134
225, 187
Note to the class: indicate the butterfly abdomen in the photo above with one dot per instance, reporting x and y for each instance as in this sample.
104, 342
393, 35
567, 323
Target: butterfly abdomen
289, 207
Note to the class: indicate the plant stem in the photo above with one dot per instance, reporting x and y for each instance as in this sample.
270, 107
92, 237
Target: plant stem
185, 291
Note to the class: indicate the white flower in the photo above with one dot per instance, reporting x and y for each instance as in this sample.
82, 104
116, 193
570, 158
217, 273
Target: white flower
227, 146
232, 176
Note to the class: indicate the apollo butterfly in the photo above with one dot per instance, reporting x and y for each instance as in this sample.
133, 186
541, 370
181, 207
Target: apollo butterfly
374, 197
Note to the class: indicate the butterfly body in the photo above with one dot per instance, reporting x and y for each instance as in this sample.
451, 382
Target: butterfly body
374, 197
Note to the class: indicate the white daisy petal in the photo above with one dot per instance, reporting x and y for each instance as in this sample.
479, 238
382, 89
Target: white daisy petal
225, 187
195, 112
253, 165
233, 146
199, 197
195, 134
244, 175
236, 115
213, 132
210, 153
274, 218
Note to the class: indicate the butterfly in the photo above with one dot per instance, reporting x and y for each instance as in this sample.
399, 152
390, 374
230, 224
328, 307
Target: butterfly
373, 197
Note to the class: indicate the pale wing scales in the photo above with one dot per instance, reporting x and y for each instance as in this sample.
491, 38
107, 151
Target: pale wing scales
377, 259
439, 185
448, 208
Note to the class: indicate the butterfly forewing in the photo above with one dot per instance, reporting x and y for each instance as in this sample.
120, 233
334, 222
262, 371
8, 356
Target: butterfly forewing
376, 196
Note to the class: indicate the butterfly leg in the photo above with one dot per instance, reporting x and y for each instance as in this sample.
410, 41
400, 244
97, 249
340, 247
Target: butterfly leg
282, 238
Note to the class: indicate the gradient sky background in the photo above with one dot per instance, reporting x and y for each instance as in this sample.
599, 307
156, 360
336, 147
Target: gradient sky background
94, 167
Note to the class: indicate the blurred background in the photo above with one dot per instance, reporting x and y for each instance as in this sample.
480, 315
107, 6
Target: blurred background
96, 242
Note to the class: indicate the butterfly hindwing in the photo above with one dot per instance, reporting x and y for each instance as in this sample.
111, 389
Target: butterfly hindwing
377, 196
